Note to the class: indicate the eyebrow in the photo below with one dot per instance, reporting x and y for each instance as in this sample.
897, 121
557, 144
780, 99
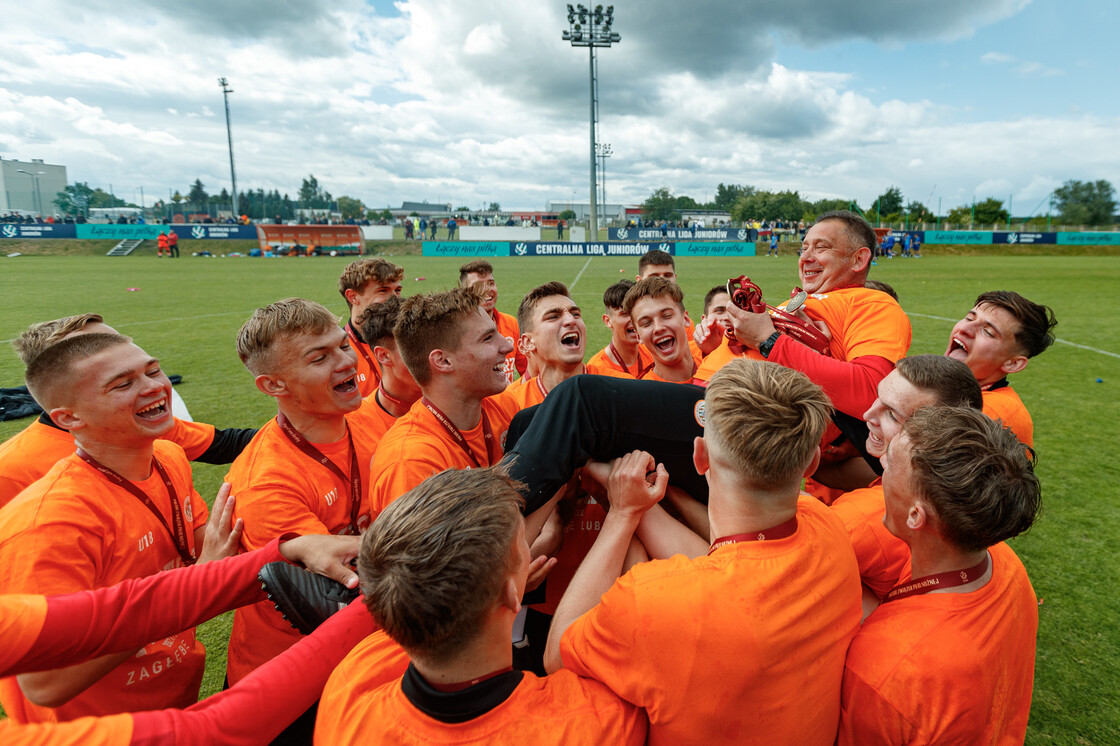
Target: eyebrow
128, 373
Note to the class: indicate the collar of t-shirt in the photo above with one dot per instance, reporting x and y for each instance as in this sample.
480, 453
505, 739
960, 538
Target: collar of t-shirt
45, 419
463, 705
1000, 384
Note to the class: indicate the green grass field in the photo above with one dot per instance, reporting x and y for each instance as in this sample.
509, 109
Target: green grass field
187, 312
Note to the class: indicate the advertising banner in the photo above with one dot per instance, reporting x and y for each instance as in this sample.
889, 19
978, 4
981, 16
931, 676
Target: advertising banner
720, 248
465, 248
678, 234
1015, 237
37, 230
957, 237
567, 248
1089, 238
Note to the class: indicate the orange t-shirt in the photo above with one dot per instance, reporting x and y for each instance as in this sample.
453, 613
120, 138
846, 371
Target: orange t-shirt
881, 555
720, 357
373, 662
862, 322
30, 453
946, 667
74, 530
368, 374
1004, 404
280, 489
417, 446
363, 707
744, 645
507, 327
602, 359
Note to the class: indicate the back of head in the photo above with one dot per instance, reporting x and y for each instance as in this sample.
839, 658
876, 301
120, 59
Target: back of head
612, 296
363, 271
974, 473
881, 287
656, 258
949, 381
434, 562
283, 319
525, 311
39, 336
51, 375
652, 287
764, 421
376, 322
859, 231
1036, 322
477, 267
430, 321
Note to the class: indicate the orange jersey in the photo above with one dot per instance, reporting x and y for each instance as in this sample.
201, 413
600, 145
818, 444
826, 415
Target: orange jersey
280, 489
417, 446
373, 662
74, 530
369, 375
946, 667
30, 453
881, 555
605, 359
732, 646
558, 709
507, 327
1004, 404
720, 357
113, 730
862, 322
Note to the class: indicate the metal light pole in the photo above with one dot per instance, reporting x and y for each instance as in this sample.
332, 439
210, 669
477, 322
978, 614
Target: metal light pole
591, 29
603, 150
226, 90
38, 193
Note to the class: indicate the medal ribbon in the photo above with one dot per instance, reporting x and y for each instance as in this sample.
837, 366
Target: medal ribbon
781, 531
951, 579
354, 479
492, 455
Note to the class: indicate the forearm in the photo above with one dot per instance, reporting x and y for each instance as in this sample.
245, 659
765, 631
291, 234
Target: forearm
664, 536
694, 513
57, 687
227, 445
851, 386
596, 574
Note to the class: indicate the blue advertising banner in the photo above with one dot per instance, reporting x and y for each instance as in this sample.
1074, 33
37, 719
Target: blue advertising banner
957, 237
722, 248
678, 234
1089, 238
566, 248
1016, 237
215, 231
465, 248
119, 232
37, 230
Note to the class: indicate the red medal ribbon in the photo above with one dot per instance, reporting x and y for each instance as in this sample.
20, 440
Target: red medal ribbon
357, 344
544, 391
179, 535
492, 454
386, 395
951, 579
781, 531
459, 686
354, 478
612, 350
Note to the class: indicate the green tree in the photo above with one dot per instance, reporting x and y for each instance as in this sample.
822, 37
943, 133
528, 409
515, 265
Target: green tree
462, 208
494, 207
728, 194
887, 203
197, 196
350, 207
313, 196
661, 205
74, 199
767, 205
987, 212
568, 215
918, 213
1085, 202
813, 210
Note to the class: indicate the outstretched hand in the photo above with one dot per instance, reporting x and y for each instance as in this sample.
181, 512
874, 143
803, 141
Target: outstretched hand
325, 554
223, 534
539, 569
636, 483
708, 334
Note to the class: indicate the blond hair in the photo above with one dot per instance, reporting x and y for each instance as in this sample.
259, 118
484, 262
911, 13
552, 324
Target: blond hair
435, 561
764, 421
652, 287
39, 336
283, 319
431, 321
360, 273
52, 373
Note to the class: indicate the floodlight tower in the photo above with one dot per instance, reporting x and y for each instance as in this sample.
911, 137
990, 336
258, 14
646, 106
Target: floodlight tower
591, 29
226, 90
603, 151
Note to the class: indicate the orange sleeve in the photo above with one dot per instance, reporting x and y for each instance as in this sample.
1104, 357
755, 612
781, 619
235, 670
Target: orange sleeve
1005, 405
192, 437
113, 730
874, 324
30, 454
880, 555
21, 620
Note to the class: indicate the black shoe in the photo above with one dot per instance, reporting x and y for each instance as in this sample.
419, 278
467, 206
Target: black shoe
303, 598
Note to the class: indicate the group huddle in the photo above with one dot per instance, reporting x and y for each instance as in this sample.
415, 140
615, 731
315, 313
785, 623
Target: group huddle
704, 532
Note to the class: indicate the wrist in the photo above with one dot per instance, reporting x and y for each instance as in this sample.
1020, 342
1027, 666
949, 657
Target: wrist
767, 345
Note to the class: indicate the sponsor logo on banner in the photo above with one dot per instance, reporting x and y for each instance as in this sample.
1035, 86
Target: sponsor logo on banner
677, 234
520, 249
198, 232
10, 231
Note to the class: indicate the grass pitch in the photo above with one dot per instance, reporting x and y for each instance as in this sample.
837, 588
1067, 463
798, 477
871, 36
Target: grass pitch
187, 313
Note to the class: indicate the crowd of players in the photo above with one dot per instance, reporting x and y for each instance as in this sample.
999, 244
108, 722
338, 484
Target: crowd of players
753, 542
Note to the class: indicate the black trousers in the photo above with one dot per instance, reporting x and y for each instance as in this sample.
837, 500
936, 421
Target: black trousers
598, 418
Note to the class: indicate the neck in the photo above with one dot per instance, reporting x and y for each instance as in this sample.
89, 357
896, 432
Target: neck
626, 351
552, 375
316, 428
354, 324
987, 382
461, 407
132, 463
677, 372
394, 404
735, 509
487, 653
930, 557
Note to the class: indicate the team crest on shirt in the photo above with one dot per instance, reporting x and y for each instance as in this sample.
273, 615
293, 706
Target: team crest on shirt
188, 511
698, 413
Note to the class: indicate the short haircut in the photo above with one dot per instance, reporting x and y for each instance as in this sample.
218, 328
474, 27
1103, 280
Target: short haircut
612, 296
859, 231
434, 562
764, 421
712, 294
477, 267
283, 319
376, 322
655, 258
363, 271
529, 303
39, 336
652, 287
882, 287
949, 381
1036, 322
974, 473
431, 321
50, 375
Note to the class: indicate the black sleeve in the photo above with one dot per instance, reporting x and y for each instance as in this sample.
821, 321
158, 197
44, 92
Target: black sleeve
227, 445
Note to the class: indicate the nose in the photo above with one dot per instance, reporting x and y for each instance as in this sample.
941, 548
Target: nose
869, 415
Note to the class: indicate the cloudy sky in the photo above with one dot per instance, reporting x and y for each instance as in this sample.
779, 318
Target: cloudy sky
473, 102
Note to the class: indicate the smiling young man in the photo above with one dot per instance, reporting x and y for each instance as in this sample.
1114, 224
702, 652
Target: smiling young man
362, 284
656, 307
482, 272
624, 353
307, 470
123, 506
997, 338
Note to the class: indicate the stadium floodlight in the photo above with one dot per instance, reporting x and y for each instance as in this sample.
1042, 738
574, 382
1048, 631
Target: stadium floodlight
603, 151
592, 29
226, 90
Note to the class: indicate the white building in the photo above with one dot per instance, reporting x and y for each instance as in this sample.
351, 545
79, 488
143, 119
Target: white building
30, 186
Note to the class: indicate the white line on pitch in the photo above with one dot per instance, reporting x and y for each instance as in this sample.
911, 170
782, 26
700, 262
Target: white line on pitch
585, 265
